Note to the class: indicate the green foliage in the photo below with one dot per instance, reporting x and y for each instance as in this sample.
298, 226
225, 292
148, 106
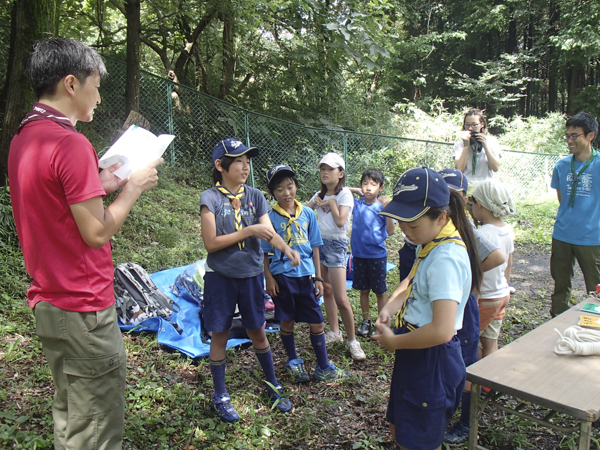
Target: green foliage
8, 232
533, 221
532, 134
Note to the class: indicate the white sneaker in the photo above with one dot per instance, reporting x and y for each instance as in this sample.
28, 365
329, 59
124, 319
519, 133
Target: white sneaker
330, 337
512, 289
355, 350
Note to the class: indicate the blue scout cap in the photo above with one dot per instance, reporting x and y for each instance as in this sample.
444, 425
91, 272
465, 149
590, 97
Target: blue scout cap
415, 193
279, 168
232, 147
455, 179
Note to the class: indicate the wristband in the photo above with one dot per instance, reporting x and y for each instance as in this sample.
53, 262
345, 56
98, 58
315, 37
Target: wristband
319, 279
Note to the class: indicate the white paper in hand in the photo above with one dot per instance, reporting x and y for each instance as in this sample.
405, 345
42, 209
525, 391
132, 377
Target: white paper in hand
134, 149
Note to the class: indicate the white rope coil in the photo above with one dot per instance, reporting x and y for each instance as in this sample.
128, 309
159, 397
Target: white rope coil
578, 341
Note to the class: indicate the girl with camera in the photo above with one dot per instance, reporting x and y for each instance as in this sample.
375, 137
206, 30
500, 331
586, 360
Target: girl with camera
476, 154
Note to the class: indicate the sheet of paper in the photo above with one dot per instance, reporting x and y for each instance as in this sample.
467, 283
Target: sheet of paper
134, 149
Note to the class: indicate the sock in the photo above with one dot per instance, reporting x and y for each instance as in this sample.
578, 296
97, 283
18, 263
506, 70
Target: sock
351, 341
465, 408
265, 358
289, 343
318, 343
217, 369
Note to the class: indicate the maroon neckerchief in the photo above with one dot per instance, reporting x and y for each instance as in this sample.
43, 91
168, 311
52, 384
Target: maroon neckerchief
44, 112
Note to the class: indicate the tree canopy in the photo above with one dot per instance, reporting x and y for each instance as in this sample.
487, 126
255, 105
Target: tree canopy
347, 63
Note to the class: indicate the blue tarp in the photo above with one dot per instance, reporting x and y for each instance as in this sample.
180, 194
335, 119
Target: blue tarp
187, 319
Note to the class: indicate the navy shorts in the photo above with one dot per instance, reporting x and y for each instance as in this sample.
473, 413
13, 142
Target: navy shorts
222, 294
426, 388
369, 273
468, 335
407, 255
296, 300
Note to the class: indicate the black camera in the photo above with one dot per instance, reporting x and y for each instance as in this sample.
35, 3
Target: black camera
476, 146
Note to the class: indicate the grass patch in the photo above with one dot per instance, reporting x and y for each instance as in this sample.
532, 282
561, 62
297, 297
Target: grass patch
168, 395
533, 221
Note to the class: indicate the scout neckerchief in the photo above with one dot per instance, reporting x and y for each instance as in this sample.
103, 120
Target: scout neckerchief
44, 112
447, 234
577, 175
236, 204
291, 221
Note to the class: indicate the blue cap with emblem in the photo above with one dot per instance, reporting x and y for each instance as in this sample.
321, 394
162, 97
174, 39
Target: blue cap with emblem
232, 147
278, 169
415, 193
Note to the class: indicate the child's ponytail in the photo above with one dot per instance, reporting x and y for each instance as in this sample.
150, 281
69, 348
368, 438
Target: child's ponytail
456, 211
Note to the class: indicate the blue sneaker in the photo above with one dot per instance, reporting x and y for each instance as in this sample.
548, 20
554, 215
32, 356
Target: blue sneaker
275, 393
295, 367
331, 373
456, 435
222, 405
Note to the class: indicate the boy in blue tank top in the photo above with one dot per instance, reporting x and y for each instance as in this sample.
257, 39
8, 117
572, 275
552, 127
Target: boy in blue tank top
369, 232
291, 287
234, 220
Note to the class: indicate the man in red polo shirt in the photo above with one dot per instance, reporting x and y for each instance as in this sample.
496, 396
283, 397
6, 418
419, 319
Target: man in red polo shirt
64, 231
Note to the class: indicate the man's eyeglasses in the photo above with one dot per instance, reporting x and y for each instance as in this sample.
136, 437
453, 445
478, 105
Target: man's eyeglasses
573, 136
472, 125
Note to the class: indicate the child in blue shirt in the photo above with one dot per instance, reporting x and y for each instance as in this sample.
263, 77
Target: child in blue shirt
291, 287
369, 232
234, 220
429, 372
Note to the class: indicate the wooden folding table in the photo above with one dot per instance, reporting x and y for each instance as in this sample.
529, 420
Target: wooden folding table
529, 369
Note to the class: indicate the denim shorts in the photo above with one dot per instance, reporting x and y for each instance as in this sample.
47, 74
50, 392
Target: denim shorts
333, 252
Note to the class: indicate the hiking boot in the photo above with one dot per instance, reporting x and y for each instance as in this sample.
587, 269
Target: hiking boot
331, 373
355, 350
275, 393
222, 405
330, 337
295, 367
456, 435
364, 329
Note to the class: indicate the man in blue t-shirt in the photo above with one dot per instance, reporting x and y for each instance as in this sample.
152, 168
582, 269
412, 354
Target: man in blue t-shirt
576, 233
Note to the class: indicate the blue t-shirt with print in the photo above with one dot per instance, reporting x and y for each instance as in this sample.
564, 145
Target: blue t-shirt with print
445, 274
369, 230
303, 241
580, 224
233, 262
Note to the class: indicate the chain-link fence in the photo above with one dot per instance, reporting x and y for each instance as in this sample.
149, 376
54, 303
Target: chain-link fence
199, 121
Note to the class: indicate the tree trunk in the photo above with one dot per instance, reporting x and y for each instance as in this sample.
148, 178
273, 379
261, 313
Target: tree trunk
132, 83
574, 83
31, 21
553, 62
228, 55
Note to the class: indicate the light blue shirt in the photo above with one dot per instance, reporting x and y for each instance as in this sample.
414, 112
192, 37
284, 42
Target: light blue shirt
302, 241
579, 225
445, 274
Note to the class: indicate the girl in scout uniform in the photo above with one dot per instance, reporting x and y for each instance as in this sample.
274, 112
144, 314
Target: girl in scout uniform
429, 372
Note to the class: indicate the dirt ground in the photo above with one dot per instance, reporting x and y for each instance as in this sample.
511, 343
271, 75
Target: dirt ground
358, 419
352, 415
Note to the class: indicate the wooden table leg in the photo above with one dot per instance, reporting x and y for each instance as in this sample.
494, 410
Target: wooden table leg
584, 435
474, 417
